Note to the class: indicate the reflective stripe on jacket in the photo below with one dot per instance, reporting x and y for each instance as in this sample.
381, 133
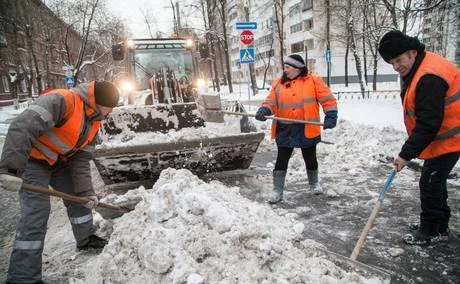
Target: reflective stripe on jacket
72, 135
447, 139
300, 99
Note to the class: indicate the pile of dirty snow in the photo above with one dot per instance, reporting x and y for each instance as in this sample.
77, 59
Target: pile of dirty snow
188, 231
230, 126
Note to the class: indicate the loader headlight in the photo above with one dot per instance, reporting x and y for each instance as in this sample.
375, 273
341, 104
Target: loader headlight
200, 82
189, 43
130, 43
127, 86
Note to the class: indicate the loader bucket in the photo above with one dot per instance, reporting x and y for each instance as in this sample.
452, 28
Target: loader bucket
123, 164
132, 151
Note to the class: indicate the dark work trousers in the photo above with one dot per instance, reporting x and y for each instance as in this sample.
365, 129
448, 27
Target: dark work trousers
284, 154
433, 192
26, 258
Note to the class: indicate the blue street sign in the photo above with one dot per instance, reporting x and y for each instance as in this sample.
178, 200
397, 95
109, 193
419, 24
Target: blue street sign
69, 80
247, 55
246, 26
328, 55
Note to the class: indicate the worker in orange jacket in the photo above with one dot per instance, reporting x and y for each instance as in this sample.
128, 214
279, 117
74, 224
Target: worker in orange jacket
431, 101
297, 94
51, 143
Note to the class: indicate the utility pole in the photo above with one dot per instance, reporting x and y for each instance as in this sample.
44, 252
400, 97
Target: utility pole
179, 28
328, 43
174, 16
251, 65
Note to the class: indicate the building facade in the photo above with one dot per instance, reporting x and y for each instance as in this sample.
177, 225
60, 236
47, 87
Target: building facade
441, 30
37, 49
304, 32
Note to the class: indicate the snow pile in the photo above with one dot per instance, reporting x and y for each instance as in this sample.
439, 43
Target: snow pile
230, 126
188, 231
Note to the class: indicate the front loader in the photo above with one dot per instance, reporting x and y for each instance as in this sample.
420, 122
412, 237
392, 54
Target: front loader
158, 124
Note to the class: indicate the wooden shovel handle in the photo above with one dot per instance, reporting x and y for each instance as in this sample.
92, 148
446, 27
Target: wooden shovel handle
82, 200
362, 238
274, 118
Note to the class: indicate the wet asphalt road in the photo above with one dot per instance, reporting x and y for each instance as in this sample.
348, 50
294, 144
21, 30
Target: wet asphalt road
329, 217
438, 263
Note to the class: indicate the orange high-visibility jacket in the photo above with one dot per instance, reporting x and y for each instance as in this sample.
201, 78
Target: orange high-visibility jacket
447, 139
300, 99
62, 141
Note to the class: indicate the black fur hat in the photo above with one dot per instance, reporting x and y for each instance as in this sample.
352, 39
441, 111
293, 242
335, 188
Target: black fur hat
394, 43
106, 94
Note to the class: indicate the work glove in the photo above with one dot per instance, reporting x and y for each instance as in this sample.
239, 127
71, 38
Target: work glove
262, 112
330, 120
92, 203
10, 182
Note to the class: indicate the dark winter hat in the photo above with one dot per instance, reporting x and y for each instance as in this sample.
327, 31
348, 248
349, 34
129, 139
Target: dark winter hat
394, 43
106, 94
295, 61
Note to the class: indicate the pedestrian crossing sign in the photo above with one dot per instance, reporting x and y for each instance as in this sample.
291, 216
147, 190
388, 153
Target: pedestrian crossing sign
247, 55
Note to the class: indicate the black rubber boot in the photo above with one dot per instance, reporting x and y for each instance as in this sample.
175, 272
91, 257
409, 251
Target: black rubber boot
426, 234
93, 242
443, 232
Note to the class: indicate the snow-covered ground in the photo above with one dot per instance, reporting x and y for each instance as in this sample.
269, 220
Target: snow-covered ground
186, 230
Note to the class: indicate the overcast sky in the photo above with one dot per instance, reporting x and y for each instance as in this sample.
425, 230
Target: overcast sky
159, 12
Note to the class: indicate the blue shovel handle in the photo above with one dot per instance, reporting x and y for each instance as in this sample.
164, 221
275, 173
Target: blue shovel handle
387, 185
371, 219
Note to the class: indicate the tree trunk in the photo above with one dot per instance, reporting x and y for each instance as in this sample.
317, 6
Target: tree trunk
347, 49
359, 69
223, 5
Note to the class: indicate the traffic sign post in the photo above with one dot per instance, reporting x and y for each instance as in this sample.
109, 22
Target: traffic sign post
328, 64
246, 37
328, 55
246, 26
70, 81
247, 55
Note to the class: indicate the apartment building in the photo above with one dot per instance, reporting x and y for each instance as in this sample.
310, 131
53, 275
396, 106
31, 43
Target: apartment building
441, 30
304, 33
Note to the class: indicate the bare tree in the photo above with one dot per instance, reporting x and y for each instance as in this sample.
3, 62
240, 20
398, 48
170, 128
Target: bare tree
147, 20
209, 13
404, 13
279, 21
351, 32
267, 64
224, 42
11, 61
87, 18
376, 20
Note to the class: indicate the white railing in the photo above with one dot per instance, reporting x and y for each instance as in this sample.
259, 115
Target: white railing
368, 95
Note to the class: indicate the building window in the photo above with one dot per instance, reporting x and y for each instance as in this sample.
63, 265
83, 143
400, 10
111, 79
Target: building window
307, 5
308, 24
297, 47
6, 85
296, 28
294, 10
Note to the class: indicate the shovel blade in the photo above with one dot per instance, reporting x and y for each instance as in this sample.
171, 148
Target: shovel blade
210, 108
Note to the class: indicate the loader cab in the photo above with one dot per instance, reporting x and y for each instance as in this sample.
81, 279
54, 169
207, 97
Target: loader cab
165, 66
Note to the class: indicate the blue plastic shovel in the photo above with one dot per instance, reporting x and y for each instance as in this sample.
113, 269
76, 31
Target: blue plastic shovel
371, 219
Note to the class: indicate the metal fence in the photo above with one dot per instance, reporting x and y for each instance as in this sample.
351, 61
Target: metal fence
368, 95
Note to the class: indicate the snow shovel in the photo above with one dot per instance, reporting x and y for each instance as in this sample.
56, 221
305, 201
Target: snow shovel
210, 109
82, 200
371, 219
